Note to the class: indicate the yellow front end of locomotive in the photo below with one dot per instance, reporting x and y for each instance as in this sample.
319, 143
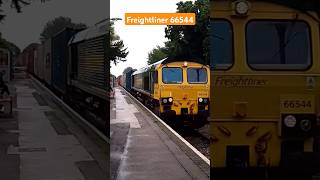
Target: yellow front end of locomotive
262, 114
180, 93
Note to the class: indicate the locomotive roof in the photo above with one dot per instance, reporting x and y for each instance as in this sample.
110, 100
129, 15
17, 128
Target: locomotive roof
147, 68
302, 5
166, 61
97, 30
181, 59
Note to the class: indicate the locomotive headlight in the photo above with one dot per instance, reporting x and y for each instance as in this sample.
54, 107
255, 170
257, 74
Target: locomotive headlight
185, 64
170, 99
305, 125
290, 121
242, 7
205, 100
164, 100
200, 100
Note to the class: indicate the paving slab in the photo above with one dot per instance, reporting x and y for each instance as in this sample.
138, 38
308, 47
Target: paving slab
40, 141
141, 150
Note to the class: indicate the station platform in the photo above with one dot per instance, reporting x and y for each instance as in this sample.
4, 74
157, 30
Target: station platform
140, 149
42, 142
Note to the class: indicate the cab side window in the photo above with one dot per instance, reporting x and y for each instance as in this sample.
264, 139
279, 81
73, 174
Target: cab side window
155, 77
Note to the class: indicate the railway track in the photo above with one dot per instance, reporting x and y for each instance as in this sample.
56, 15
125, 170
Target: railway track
198, 138
195, 137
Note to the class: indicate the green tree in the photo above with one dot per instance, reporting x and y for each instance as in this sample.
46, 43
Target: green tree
9, 45
116, 50
54, 26
17, 4
190, 41
156, 54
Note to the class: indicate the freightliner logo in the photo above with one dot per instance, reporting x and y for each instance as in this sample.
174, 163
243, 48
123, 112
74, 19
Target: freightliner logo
239, 81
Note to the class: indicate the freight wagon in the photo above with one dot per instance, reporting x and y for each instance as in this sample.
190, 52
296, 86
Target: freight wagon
29, 57
119, 80
112, 81
5, 63
39, 70
47, 63
75, 68
60, 59
127, 81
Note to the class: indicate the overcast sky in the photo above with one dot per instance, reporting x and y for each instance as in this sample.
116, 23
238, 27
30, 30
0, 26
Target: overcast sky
138, 38
25, 28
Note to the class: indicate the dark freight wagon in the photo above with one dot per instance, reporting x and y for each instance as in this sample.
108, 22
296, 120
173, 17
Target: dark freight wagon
119, 80
112, 81
5, 63
75, 68
60, 57
127, 81
47, 64
29, 55
38, 68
